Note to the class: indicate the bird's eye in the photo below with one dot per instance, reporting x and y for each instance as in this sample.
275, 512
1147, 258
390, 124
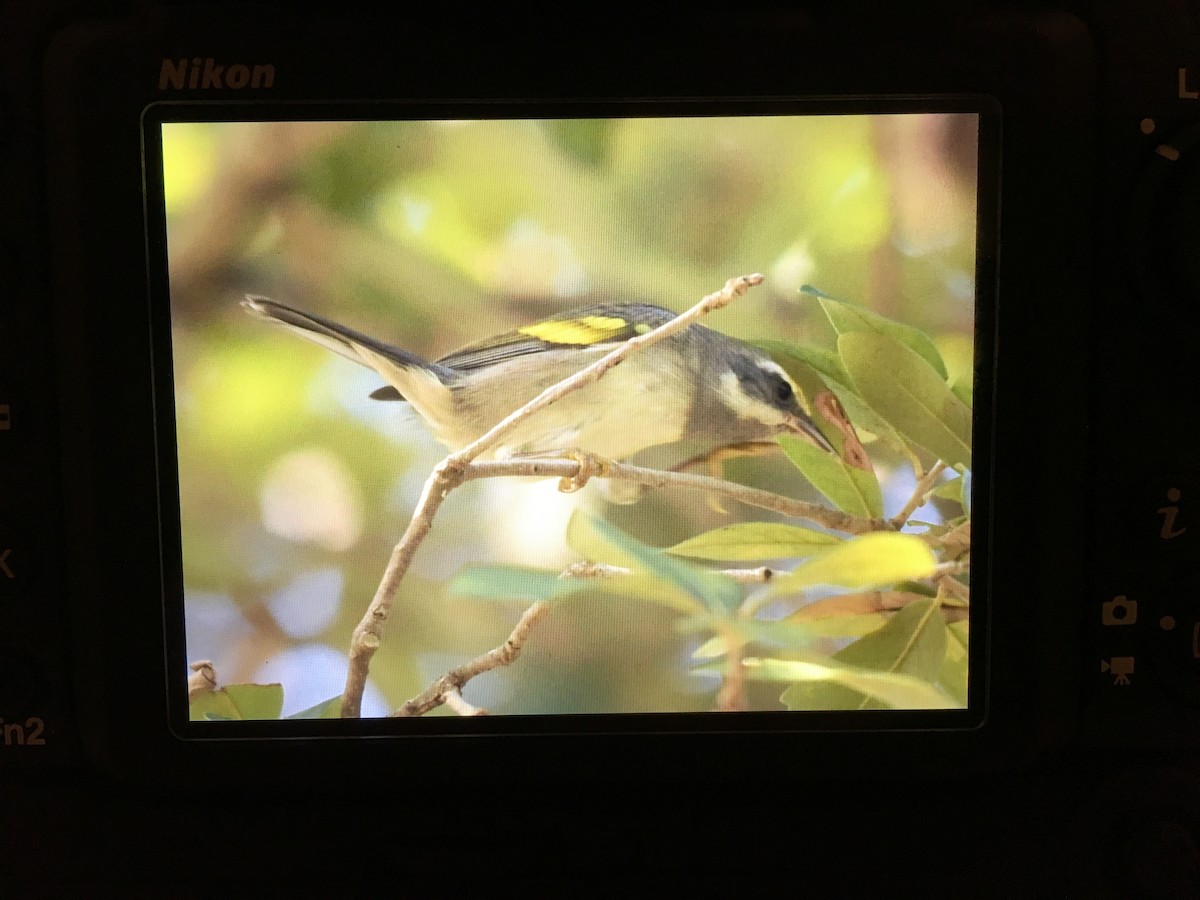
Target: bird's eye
783, 391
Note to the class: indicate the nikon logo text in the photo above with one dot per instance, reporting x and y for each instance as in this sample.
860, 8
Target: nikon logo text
204, 74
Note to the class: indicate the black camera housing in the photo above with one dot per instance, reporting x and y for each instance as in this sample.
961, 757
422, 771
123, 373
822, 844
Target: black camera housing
1093, 335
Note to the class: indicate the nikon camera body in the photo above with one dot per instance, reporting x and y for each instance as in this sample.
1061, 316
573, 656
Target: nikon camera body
197, 511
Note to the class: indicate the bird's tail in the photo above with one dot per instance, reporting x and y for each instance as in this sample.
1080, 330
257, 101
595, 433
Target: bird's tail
398, 367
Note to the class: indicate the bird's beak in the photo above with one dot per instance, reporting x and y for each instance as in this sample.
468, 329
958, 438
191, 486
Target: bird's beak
806, 428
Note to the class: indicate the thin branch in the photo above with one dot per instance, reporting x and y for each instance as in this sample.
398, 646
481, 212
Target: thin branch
447, 688
734, 287
656, 478
731, 697
925, 484
449, 474
957, 541
204, 679
856, 604
954, 567
454, 700
761, 575
955, 588
452, 682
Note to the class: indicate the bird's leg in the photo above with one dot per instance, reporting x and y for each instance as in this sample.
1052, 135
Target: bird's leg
714, 461
590, 465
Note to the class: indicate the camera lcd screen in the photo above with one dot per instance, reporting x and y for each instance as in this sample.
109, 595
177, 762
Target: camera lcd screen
767, 513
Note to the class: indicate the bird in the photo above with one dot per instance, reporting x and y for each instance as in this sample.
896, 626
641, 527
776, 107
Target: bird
697, 385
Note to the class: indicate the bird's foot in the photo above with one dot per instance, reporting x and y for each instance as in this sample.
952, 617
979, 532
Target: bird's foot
590, 465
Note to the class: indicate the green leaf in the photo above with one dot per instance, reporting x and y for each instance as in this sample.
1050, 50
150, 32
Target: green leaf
639, 586
599, 541
964, 390
950, 490
825, 362
238, 702
846, 626
903, 388
256, 701
755, 541
953, 676
499, 582
212, 706
326, 709
846, 318
820, 679
869, 560
912, 643
848, 488
806, 363
792, 635
587, 141
504, 583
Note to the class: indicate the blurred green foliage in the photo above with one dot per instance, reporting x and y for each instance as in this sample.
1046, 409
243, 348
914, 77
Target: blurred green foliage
431, 235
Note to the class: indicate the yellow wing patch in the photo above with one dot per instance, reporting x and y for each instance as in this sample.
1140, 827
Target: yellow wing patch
584, 330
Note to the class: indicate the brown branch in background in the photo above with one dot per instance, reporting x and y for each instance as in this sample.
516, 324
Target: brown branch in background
250, 178
869, 602
920, 495
731, 697
857, 604
954, 587
452, 682
957, 541
450, 473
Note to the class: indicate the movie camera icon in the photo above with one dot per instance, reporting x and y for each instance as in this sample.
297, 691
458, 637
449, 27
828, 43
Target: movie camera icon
1121, 668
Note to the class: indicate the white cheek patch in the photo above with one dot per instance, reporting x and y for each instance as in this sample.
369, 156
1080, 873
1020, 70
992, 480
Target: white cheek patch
746, 406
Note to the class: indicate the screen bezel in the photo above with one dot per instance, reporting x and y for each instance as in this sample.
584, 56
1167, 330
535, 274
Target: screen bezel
987, 193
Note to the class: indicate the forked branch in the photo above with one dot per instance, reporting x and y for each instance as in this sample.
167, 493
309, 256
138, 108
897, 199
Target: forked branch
452, 471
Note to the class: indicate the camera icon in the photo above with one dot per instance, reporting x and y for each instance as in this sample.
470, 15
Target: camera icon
1119, 610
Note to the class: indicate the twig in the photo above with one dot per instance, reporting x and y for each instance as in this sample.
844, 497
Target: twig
447, 689
925, 484
732, 694
761, 575
857, 604
454, 699
369, 632
734, 287
957, 541
954, 567
438, 692
955, 588
656, 478
450, 473
204, 681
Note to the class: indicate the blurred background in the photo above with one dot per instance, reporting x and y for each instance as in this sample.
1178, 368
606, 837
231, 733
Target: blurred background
294, 485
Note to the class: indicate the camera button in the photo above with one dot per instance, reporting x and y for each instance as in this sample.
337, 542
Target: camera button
15, 571
14, 422
1174, 623
1166, 513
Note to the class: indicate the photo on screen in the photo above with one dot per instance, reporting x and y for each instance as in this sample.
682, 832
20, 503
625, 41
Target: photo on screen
769, 511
